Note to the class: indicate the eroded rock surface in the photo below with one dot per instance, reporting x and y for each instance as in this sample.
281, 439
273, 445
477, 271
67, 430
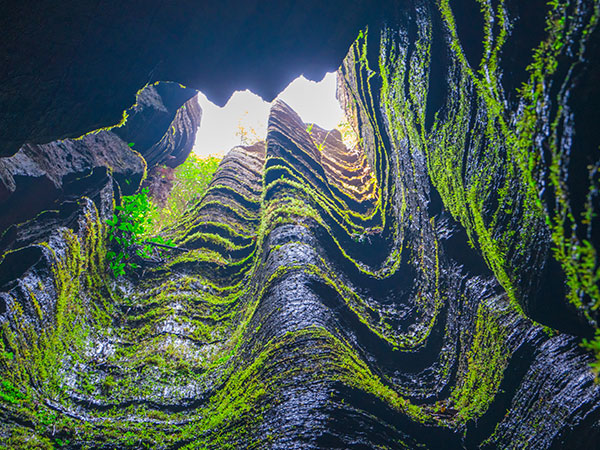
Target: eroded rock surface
160, 130
428, 288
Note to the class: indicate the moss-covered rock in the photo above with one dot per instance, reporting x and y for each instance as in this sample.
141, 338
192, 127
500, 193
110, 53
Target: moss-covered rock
428, 288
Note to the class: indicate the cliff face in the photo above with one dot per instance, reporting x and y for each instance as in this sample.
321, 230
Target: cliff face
427, 288
485, 188
159, 130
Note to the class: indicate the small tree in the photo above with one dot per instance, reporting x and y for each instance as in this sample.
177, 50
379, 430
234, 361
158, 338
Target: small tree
246, 132
125, 231
191, 179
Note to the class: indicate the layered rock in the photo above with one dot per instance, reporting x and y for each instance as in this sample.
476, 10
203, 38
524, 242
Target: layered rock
162, 123
383, 296
159, 129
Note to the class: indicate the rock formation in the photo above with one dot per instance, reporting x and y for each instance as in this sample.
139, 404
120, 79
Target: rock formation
159, 130
428, 288
67, 70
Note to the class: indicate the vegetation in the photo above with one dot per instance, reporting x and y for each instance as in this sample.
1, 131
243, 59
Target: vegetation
126, 229
594, 346
9, 393
134, 228
246, 132
189, 186
349, 136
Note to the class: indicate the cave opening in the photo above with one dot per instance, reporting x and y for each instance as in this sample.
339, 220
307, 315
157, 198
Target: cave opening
243, 119
174, 187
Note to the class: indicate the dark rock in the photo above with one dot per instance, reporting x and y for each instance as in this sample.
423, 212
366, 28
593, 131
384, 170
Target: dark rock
37, 176
161, 128
159, 183
68, 70
384, 296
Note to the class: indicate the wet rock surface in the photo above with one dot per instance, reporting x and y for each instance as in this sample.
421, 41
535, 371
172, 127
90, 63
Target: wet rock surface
160, 130
427, 288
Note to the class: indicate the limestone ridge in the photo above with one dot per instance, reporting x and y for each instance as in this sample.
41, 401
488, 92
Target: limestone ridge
160, 129
384, 296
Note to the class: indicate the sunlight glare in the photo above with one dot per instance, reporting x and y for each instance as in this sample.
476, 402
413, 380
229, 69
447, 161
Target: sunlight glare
243, 119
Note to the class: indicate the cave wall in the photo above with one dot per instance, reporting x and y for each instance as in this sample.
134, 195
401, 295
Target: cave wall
160, 130
60, 61
427, 288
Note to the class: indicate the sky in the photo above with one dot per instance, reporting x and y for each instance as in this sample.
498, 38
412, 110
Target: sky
220, 127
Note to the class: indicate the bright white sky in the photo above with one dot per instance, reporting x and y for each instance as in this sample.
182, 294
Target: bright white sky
314, 102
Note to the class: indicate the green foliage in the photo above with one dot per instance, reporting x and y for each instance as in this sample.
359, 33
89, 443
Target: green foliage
62, 442
9, 393
246, 133
137, 221
189, 186
46, 418
127, 228
486, 360
349, 135
594, 346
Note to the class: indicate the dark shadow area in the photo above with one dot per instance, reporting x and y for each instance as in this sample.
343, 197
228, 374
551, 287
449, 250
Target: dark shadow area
16, 263
549, 305
527, 31
32, 195
469, 27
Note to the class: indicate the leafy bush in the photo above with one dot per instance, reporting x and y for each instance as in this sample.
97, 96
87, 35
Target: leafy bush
246, 133
189, 186
9, 393
135, 225
594, 346
127, 230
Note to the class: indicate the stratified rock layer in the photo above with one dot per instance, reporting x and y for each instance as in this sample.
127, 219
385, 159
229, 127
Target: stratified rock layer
160, 129
427, 288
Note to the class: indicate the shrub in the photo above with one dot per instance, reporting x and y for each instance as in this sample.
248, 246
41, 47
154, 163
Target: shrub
137, 221
127, 231
189, 186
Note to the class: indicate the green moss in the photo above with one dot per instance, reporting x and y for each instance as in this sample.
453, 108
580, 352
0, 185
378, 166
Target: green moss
483, 367
172, 335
